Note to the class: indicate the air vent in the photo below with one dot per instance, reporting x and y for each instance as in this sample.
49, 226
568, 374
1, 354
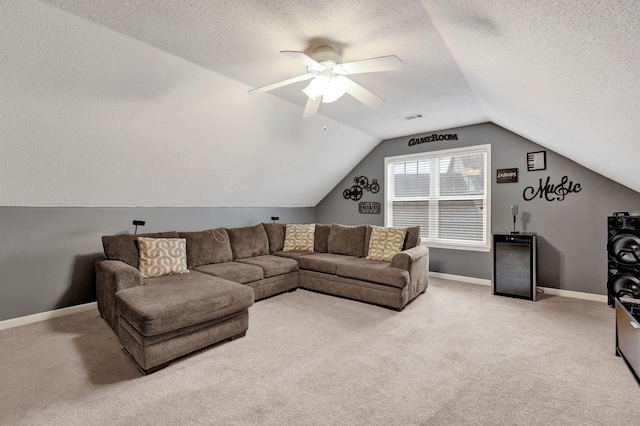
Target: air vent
412, 117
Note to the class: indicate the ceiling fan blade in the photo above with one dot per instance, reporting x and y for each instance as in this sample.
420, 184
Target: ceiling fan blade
301, 57
312, 106
383, 63
281, 83
368, 98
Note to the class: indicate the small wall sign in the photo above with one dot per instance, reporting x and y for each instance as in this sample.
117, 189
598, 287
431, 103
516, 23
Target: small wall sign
507, 175
536, 161
366, 207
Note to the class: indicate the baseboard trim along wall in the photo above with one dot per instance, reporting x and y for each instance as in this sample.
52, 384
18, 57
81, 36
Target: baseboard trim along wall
15, 322
29, 319
547, 290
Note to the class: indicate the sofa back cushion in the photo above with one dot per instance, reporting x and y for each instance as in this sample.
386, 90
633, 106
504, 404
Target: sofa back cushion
250, 241
348, 240
124, 247
207, 247
275, 234
321, 239
412, 239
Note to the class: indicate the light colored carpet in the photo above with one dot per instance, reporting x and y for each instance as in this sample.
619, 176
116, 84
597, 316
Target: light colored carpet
456, 355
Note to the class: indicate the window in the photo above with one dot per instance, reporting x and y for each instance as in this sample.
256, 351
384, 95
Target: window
446, 193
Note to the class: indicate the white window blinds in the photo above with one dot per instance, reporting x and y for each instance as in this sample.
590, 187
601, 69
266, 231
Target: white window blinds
445, 192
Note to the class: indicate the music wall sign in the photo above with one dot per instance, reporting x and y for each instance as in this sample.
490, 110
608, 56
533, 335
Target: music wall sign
507, 175
550, 191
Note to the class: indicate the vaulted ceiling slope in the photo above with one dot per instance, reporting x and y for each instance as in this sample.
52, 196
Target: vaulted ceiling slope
143, 102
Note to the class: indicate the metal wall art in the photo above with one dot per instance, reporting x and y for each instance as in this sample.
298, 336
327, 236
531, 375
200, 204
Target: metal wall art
551, 192
362, 184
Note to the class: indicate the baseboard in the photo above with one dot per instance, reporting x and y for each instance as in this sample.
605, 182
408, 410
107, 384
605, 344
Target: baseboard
547, 290
461, 278
29, 319
575, 294
15, 322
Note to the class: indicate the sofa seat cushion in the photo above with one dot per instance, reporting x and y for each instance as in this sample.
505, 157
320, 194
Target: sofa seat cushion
172, 302
233, 271
375, 271
322, 262
292, 254
272, 265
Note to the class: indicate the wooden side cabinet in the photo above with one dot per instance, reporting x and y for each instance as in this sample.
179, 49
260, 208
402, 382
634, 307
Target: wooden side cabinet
628, 336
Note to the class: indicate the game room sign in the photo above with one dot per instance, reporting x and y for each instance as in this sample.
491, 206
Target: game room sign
433, 138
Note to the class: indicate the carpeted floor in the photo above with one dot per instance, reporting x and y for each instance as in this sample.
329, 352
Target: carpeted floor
456, 355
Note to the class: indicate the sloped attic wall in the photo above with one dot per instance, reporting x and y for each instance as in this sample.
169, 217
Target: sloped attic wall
91, 117
98, 129
572, 233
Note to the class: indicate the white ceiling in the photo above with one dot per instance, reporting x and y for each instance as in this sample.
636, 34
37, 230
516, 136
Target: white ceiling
561, 73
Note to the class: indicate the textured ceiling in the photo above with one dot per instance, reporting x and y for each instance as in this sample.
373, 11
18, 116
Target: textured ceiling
561, 73
242, 40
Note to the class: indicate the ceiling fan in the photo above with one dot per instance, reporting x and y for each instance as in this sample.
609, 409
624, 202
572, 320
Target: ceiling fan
329, 79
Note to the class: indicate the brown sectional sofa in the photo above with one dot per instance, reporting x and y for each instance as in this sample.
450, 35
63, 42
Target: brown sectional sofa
159, 319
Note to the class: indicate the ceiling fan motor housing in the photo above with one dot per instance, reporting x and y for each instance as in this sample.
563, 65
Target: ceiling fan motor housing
326, 56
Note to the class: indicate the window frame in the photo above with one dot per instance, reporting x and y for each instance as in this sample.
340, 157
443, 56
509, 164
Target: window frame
484, 246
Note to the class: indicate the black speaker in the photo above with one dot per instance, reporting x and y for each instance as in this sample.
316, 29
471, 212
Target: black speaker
623, 250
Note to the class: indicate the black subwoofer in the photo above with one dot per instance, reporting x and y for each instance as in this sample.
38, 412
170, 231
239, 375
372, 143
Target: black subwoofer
623, 249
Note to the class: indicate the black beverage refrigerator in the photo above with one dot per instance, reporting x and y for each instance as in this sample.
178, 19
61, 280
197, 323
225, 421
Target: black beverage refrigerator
514, 265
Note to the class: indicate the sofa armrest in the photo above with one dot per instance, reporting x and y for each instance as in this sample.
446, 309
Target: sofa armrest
416, 261
406, 258
111, 277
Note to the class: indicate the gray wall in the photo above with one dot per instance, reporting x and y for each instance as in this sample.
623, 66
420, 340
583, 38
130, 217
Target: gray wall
47, 254
572, 233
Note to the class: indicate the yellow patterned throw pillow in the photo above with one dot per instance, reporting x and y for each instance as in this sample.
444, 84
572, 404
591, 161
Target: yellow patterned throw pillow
385, 243
162, 256
299, 237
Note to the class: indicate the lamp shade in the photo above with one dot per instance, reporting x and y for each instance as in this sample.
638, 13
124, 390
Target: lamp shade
335, 89
330, 88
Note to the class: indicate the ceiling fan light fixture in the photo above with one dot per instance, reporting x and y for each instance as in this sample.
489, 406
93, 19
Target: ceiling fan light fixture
330, 88
335, 89
329, 77
316, 87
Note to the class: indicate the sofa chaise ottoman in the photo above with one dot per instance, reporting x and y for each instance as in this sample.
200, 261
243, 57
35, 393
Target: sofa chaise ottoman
177, 315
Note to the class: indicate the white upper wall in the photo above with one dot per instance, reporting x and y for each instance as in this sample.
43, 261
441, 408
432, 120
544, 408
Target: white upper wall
91, 117
143, 103
564, 74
